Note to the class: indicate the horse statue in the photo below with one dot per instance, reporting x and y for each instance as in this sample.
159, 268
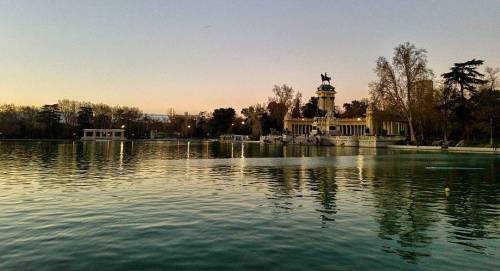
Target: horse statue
325, 78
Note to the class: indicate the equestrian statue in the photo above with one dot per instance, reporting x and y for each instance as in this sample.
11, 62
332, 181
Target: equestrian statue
325, 78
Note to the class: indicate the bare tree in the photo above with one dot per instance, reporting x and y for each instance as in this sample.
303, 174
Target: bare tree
69, 111
397, 81
492, 77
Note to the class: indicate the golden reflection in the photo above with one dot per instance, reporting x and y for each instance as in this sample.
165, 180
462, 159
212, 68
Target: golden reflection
206, 149
232, 150
120, 161
242, 150
360, 165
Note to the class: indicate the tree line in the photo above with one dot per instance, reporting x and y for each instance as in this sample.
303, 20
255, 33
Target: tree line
463, 103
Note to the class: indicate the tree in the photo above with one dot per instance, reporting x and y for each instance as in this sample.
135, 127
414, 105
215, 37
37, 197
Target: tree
396, 81
486, 105
222, 120
355, 109
445, 103
102, 116
283, 95
85, 117
69, 111
255, 116
27, 122
296, 105
279, 105
466, 76
311, 110
8, 120
492, 77
277, 112
49, 118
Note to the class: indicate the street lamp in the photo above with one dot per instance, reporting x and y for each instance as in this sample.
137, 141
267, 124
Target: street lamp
123, 126
242, 123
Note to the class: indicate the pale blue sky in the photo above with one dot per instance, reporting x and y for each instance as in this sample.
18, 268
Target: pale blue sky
198, 55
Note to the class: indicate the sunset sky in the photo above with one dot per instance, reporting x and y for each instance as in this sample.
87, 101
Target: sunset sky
200, 55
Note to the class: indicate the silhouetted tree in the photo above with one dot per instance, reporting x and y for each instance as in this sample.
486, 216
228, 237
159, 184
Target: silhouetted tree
85, 117
277, 113
49, 118
311, 110
355, 109
256, 116
486, 113
445, 103
222, 120
296, 105
466, 76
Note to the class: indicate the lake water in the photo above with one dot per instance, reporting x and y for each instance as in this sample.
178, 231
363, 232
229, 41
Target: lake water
210, 206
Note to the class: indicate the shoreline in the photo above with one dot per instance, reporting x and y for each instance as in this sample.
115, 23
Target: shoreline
448, 149
393, 147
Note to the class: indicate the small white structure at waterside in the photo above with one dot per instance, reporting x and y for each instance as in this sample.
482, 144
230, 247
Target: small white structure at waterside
103, 134
232, 137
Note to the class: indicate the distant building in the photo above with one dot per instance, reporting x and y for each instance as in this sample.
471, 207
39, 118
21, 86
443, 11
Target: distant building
158, 117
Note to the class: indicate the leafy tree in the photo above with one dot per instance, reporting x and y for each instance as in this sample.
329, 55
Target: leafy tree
445, 103
277, 112
486, 112
49, 118
222, 120
255, 116
311, 110
355, 109
296, 105
466, 76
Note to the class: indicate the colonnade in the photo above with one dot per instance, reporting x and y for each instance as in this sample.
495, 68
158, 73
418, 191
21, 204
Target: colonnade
301, 129
353, 129
393, 127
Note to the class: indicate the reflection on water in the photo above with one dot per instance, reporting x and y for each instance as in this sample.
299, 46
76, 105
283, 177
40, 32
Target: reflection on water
205, 205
